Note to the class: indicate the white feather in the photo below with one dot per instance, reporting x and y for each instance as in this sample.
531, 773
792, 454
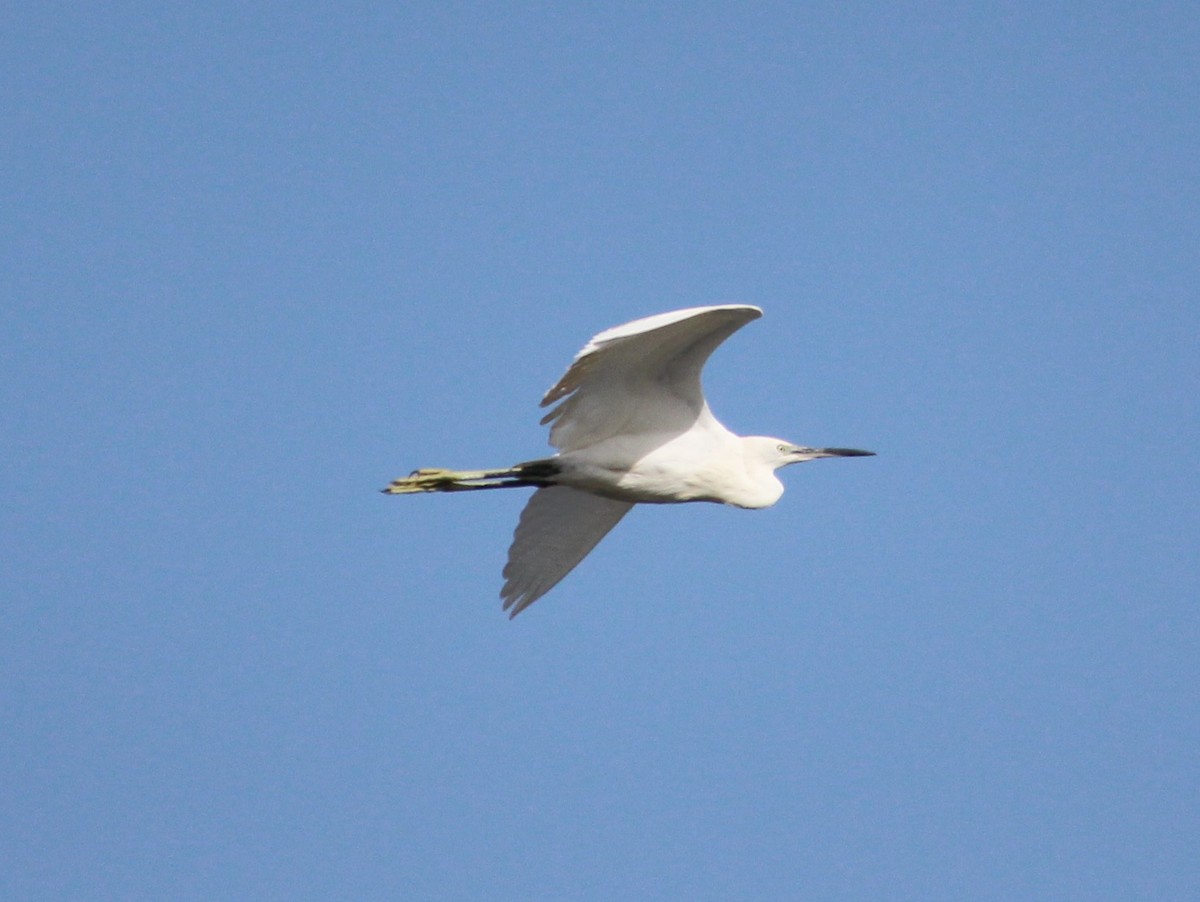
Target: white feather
558, 528
640, 378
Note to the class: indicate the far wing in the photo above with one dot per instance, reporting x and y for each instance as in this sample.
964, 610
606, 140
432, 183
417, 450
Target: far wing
558, 528
642, 377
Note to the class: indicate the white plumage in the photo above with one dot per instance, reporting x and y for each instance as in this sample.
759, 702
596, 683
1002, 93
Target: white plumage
631, 426
558, 528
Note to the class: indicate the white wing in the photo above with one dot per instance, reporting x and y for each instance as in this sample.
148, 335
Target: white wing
642, 377
558, 528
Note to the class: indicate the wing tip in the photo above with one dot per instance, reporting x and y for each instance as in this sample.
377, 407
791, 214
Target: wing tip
517, 601
657, 320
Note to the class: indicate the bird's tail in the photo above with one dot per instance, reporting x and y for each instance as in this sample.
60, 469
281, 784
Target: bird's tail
532, 473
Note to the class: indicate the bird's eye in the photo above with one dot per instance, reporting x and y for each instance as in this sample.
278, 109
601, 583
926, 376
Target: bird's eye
782, 449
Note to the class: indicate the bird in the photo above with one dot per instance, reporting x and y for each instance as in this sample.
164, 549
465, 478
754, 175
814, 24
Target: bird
631, 426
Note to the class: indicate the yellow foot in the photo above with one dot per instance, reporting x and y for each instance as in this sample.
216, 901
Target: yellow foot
427, 480
438, 480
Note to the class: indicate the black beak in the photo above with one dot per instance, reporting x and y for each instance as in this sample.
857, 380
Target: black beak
846, 452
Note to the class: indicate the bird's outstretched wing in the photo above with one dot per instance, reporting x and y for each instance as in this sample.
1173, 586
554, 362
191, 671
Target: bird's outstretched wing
640, 378
558, 528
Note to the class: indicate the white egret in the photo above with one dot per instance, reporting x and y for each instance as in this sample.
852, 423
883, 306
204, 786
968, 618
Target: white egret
631, 427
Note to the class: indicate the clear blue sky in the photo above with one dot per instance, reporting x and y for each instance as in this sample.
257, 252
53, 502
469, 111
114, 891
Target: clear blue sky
259, 260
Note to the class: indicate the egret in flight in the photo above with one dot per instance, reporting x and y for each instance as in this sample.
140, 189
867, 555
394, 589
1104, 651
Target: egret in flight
631, 427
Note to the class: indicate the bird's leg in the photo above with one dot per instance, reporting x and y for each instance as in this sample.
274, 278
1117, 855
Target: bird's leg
534, 473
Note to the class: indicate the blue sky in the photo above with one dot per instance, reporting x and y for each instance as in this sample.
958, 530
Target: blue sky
259, 260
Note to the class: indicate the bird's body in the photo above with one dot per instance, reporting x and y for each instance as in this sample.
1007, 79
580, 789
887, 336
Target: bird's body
711, 464
631, 426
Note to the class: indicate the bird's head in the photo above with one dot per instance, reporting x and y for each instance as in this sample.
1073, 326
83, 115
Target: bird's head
779, 453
